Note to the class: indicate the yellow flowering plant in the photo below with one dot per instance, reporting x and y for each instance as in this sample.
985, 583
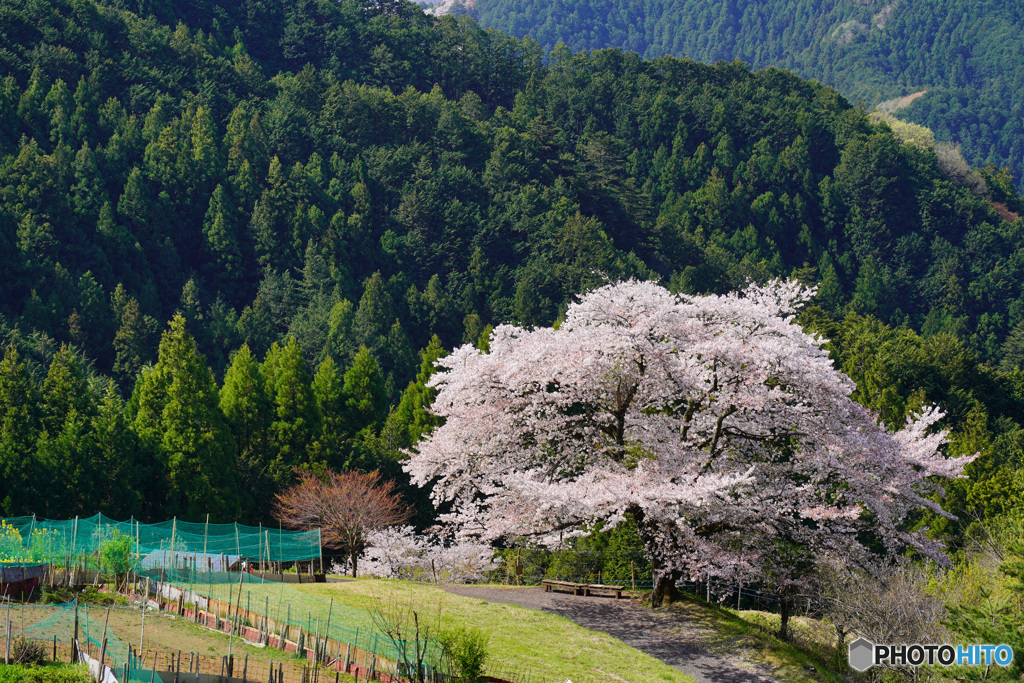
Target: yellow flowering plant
12, 549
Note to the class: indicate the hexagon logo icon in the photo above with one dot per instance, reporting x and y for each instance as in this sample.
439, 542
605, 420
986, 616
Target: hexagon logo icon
861, 658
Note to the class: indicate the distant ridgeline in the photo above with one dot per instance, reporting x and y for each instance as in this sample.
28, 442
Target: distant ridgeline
968, 55
335, 185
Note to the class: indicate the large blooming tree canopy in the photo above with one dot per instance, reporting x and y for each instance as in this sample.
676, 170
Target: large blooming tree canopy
715, 420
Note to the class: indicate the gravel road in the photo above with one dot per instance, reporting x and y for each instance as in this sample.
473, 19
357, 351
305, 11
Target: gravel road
659, 635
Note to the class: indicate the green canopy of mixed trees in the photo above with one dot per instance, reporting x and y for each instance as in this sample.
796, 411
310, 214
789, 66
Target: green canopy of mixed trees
968, 55
233, 238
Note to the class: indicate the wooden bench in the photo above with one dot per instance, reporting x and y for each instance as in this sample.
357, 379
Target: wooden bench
584, 589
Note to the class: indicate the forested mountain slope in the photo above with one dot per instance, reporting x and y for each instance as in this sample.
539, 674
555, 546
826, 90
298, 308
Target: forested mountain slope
968, 55
329, 186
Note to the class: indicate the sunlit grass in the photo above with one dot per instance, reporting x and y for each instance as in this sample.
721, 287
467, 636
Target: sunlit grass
543, 646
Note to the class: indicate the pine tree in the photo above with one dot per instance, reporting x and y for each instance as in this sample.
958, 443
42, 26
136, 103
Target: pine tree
88, 194
399, 359
375, 313
135, 204
178, 413
328, 388
66, 391
296, 419
67, 457
221, 239
124, 488
249, 413
19, 429
133, 343
365, 400
411, 419
341, 344
97, 323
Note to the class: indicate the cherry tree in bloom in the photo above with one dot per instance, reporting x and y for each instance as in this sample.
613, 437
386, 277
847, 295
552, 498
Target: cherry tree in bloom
715, 421
400, 553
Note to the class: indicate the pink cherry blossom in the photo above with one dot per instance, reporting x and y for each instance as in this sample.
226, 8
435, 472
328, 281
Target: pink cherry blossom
716, 421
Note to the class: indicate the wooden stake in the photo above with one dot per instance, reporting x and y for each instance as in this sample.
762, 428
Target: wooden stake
7, 631
103, 647
264, 632
632, 573
327, 630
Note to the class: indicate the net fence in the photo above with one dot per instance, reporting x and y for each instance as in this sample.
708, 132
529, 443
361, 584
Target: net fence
102, 543
250, 600
57, 623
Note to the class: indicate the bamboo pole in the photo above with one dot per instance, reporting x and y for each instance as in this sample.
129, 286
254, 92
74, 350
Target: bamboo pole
266, 546
74, 542
174, 534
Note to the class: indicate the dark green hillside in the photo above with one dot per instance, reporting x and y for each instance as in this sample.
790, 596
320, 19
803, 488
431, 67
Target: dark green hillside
969, 55
331, 186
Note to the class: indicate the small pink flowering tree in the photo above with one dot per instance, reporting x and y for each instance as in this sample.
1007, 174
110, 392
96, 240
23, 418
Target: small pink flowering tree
715, 421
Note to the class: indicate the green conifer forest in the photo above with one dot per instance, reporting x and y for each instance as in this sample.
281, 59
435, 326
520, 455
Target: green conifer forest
968, 56
235, 236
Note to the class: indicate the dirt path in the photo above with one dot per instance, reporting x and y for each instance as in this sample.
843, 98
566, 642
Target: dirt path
659, 635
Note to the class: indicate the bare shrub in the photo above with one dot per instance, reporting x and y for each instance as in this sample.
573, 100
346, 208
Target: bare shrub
28, 652
896, 602
414, 629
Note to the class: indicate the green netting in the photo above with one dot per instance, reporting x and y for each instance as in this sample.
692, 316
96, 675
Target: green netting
251, 599
46, 622
287, 604
86, 541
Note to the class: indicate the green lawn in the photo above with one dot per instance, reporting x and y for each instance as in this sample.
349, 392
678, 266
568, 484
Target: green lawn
543, 647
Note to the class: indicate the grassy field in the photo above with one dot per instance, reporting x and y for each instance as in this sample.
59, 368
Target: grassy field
165, 636
524, 643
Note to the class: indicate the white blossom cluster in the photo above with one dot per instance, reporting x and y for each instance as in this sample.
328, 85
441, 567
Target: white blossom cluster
400, 553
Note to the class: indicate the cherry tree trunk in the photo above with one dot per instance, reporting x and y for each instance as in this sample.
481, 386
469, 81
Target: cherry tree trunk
786, 605
665, 590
